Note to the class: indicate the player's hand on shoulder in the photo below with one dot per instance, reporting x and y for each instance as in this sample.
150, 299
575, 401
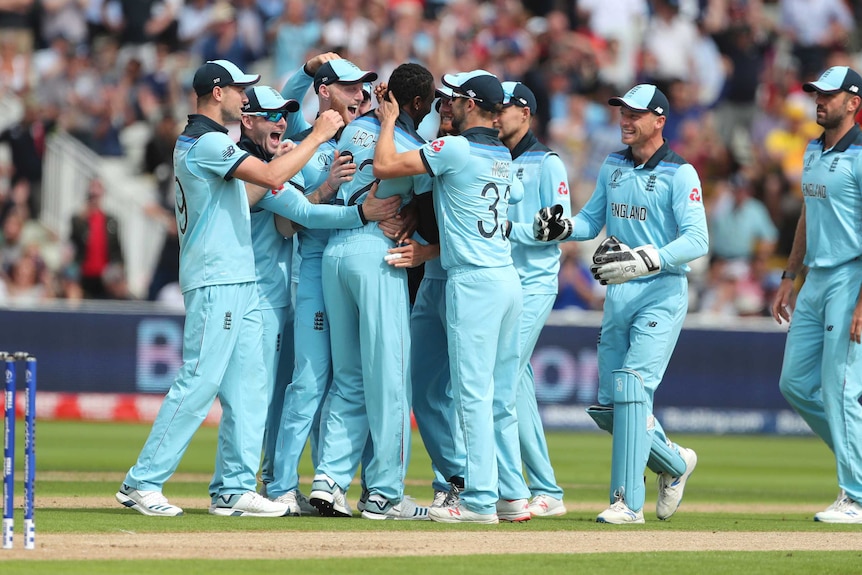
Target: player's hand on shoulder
616, 263
549, 224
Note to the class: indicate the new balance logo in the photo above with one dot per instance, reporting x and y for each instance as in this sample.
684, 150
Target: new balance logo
454, 512
652, 324
228, 320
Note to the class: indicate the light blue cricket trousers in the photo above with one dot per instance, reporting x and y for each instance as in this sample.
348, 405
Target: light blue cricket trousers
483, 307
222, 357
368, 305
274, 321
311, 378
433, 402
641, 324
534, 446
821, 376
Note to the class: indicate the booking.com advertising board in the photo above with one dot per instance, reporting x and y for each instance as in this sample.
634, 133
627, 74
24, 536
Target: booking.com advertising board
719, 380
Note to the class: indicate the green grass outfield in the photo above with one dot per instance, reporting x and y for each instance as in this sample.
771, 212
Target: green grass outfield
742, 484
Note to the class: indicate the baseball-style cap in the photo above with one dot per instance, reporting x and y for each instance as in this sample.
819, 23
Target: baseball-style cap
367, 90
220, 73
342, 72
443, 92
836, 79
517, 94
267, 99
643, 98
479, 85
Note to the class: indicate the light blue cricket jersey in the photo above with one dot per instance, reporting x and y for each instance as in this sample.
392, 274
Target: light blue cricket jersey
273, 254
294, 89
360, 138
212, 212
546, 183
831, 184
473, 181
314, 173
658, 203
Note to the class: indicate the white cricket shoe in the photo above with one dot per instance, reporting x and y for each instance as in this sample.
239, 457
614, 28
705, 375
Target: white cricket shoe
297, 503
620, 514
378, 507
439, 498
453, 498
328, 497
147, 502
670, 488
460, 514
248, 504
513, 510
844, 511
546, 506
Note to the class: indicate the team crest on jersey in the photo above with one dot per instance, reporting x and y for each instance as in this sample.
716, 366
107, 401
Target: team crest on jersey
809, 159
650, 187
834, 163
324, 160
437, 145
228, 152
520, 173
615, 178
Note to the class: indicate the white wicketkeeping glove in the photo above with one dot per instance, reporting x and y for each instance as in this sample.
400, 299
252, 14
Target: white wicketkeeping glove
549, 225
616, 263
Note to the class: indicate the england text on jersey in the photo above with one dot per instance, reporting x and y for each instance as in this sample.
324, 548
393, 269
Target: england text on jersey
628, 212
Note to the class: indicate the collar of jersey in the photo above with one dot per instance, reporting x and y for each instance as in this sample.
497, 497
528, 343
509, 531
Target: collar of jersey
845, 140
657, 157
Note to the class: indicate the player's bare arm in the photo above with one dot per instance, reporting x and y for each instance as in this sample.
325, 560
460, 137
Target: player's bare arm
388, 163
785, 297
271, 176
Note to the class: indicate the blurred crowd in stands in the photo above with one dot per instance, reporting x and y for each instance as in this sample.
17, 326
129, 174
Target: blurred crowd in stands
732, 69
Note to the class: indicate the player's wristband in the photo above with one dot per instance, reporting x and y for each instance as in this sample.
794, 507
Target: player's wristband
786, 275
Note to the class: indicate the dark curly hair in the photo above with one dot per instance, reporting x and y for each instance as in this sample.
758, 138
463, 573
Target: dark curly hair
409, 81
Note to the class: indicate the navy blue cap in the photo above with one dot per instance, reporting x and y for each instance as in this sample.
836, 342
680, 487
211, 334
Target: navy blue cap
481, 86
836, 79
517, 94
220, 73
643, 98
341, 72
267, 99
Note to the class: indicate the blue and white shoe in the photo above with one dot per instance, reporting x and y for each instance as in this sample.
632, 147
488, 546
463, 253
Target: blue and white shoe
620, 514
297, 503
363, 500
844, 511
378, 507
248, 504
151, 503
670, 489
328, 497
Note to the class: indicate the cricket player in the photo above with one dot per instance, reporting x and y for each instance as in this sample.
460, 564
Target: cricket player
650, 198
473, 184
338, 84
821, 376
369, 313
222, 340
546, 183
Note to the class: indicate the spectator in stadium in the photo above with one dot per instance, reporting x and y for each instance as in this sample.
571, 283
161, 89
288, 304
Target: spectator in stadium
95, 236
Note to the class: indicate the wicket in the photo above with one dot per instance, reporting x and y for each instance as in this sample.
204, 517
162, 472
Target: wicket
10, 360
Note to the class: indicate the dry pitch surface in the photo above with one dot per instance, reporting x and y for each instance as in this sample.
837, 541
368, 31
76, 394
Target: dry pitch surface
310, 544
